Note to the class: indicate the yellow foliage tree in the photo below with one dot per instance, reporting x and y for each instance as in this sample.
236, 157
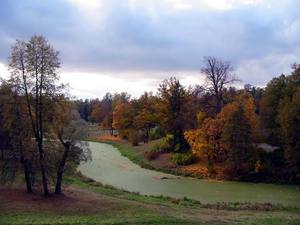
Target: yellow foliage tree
206, 141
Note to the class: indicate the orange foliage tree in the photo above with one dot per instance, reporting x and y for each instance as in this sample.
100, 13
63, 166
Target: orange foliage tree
209, 142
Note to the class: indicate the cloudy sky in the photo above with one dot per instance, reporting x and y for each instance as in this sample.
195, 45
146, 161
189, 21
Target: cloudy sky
132, 45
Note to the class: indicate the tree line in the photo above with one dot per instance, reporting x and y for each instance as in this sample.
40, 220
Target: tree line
246, 134
40, 128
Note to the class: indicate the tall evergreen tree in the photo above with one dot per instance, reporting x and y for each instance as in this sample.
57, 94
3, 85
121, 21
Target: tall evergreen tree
236, 137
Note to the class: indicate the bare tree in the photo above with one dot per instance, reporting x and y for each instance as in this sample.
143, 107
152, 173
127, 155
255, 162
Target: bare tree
218, 73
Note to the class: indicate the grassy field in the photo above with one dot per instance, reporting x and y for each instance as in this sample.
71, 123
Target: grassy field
88, 202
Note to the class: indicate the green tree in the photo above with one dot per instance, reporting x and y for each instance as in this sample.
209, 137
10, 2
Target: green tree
289, 121
280, 117
236, 138
173, 96
269, 108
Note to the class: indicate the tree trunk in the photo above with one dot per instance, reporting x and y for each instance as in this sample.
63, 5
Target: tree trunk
27, 175
147, 135
58, 182
218, 104
43, 170
61, 168
26, 168
2, 154
210, 165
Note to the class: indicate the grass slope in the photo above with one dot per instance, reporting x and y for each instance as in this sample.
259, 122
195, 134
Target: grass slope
88, 202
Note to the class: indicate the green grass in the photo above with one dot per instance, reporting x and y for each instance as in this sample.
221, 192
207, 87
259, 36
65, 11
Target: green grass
87, 183
270, 221
133, 208
51, 219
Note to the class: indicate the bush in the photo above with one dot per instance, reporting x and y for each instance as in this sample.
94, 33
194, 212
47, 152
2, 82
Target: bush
155, 133
134, 137
156, 147
183, 158
163, 145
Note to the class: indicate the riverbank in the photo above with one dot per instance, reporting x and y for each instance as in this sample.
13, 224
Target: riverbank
163, 163
136, 154
88, 202
110, 167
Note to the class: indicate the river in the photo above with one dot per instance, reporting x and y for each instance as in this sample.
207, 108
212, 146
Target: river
108, 166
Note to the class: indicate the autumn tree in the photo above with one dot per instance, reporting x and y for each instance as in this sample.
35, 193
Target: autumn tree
147, 116
123, 119
102, 111
69, 129
218, 74
215, 142
246, 102
194, 103
107, 107
96, 113
19, 151
206, 140
35, 63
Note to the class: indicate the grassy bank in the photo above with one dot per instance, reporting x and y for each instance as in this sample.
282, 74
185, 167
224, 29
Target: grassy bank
89, 202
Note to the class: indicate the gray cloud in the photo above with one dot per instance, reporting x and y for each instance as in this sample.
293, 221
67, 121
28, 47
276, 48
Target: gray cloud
155, 37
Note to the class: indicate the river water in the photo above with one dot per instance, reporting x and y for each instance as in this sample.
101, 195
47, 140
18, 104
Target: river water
108, 166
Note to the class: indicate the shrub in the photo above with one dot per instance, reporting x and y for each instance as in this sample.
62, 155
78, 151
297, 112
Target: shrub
164, 145
154, 151
183, 158
134, 137
156, 147
155, 133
